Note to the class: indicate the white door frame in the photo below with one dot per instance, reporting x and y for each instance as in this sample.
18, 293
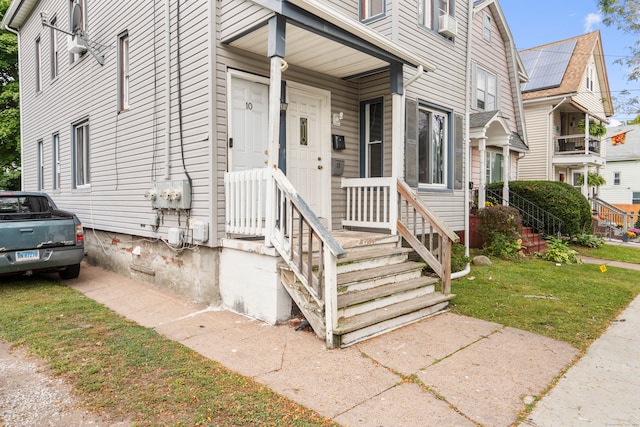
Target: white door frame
231, 74
325, 143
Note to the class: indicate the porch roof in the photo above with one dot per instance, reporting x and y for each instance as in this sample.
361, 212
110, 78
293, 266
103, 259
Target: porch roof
324, 40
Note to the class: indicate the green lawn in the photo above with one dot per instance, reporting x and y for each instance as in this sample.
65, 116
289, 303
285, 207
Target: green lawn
613, 252
126, 371
574, 303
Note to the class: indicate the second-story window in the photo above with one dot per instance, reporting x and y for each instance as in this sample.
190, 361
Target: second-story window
38, 66
123, 71
486, 27
53, 43
430, 11
486, 90
616, 178
371, 9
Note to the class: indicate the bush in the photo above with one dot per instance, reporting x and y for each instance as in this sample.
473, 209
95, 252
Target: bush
588, 240
637, 224
499, 227
459, 260
558, 251
558, 198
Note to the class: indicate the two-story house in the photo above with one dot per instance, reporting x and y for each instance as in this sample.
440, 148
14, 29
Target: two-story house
496, 125
247, 153
566, 95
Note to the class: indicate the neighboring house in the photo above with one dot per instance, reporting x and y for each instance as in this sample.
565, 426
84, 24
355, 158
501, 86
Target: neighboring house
622, 171
219, 148
496, 124
567, 86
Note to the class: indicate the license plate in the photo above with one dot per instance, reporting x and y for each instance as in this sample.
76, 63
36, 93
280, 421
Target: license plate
27, 255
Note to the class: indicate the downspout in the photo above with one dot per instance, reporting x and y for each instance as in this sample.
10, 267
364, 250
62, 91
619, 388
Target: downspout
550, 136
14, 31
167, 91
467, 163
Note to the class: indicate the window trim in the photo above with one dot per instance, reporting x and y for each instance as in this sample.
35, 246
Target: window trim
40, 156
86, 151
486, 27
476, 85
447, 160
365, 143
55, 161
364, 10
434, 14
123, 72
616, 178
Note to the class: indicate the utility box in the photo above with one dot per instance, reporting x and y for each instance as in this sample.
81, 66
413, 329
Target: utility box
170, 195
337, 167
175, 236
200, 231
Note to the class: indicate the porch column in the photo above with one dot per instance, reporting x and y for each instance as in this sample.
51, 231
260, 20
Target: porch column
506, 171
585, 182
482, 190
397, 140
586, 135
276, 53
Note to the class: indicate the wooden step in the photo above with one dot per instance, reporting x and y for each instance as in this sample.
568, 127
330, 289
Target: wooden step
378, 276
377, 257
373, 323
346, 299
384, 302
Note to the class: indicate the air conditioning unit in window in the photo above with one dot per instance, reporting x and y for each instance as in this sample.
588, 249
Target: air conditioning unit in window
76, 45
447, 25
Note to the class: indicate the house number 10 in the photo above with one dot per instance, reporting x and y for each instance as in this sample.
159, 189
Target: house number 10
248, 105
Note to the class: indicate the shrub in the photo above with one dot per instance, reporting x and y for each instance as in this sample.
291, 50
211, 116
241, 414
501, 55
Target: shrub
588, 240
499, 227
459, 260
558, 251
637, 224
558, 198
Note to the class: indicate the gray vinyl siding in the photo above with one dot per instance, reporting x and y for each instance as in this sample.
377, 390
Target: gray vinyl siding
236, 16
534, 164
495, 58
123, 147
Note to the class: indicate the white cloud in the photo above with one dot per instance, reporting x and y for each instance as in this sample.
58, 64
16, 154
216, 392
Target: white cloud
590, 21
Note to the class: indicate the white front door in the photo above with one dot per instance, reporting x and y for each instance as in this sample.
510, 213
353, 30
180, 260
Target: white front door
248, 123
309, 147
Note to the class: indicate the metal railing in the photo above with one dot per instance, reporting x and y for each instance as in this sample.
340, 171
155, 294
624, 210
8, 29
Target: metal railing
575, 144
611, 220
540, 220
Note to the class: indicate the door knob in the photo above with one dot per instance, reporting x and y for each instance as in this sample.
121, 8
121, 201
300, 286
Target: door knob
319, 166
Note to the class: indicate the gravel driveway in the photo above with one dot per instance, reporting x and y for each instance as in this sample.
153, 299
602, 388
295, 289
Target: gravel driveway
29, 396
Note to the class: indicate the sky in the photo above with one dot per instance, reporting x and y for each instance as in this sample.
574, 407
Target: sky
545, 21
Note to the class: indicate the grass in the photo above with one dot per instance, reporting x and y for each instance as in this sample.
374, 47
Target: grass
127, 372
573, 303
613, 252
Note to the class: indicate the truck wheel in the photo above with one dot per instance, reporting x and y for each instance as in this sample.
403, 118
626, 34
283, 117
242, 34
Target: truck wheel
71, 272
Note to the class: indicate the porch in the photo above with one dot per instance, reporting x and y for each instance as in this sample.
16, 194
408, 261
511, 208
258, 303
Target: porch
377, 273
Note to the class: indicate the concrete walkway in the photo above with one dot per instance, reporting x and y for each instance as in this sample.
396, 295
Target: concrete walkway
603, 388
447, 370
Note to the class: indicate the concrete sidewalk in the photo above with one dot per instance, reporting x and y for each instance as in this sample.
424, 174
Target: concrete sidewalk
468, 371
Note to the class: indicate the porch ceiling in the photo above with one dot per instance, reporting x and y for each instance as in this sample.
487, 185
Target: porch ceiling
314, 52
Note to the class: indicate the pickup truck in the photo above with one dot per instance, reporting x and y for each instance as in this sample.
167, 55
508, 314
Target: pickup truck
37, 236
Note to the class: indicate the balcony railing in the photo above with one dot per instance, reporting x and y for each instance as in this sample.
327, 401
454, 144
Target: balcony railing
575, 144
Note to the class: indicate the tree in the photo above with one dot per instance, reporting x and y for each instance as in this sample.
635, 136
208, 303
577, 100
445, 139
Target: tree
9, 108
625, 16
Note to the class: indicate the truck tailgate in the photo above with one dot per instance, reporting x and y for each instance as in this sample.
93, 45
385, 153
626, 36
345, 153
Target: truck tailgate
44, 233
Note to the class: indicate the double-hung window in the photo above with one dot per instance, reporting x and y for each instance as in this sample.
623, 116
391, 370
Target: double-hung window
370, 9
429, 12
486, 90
432, 143
55, 161
486, 27
123, 71
40, 165
635, 198
590, 77
373, 137
616, 178
82, 177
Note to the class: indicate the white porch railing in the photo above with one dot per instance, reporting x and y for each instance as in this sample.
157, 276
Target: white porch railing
388, 203
295, 232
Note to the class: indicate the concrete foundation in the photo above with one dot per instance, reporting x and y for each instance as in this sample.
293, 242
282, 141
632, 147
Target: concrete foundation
191, 273
249, 282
